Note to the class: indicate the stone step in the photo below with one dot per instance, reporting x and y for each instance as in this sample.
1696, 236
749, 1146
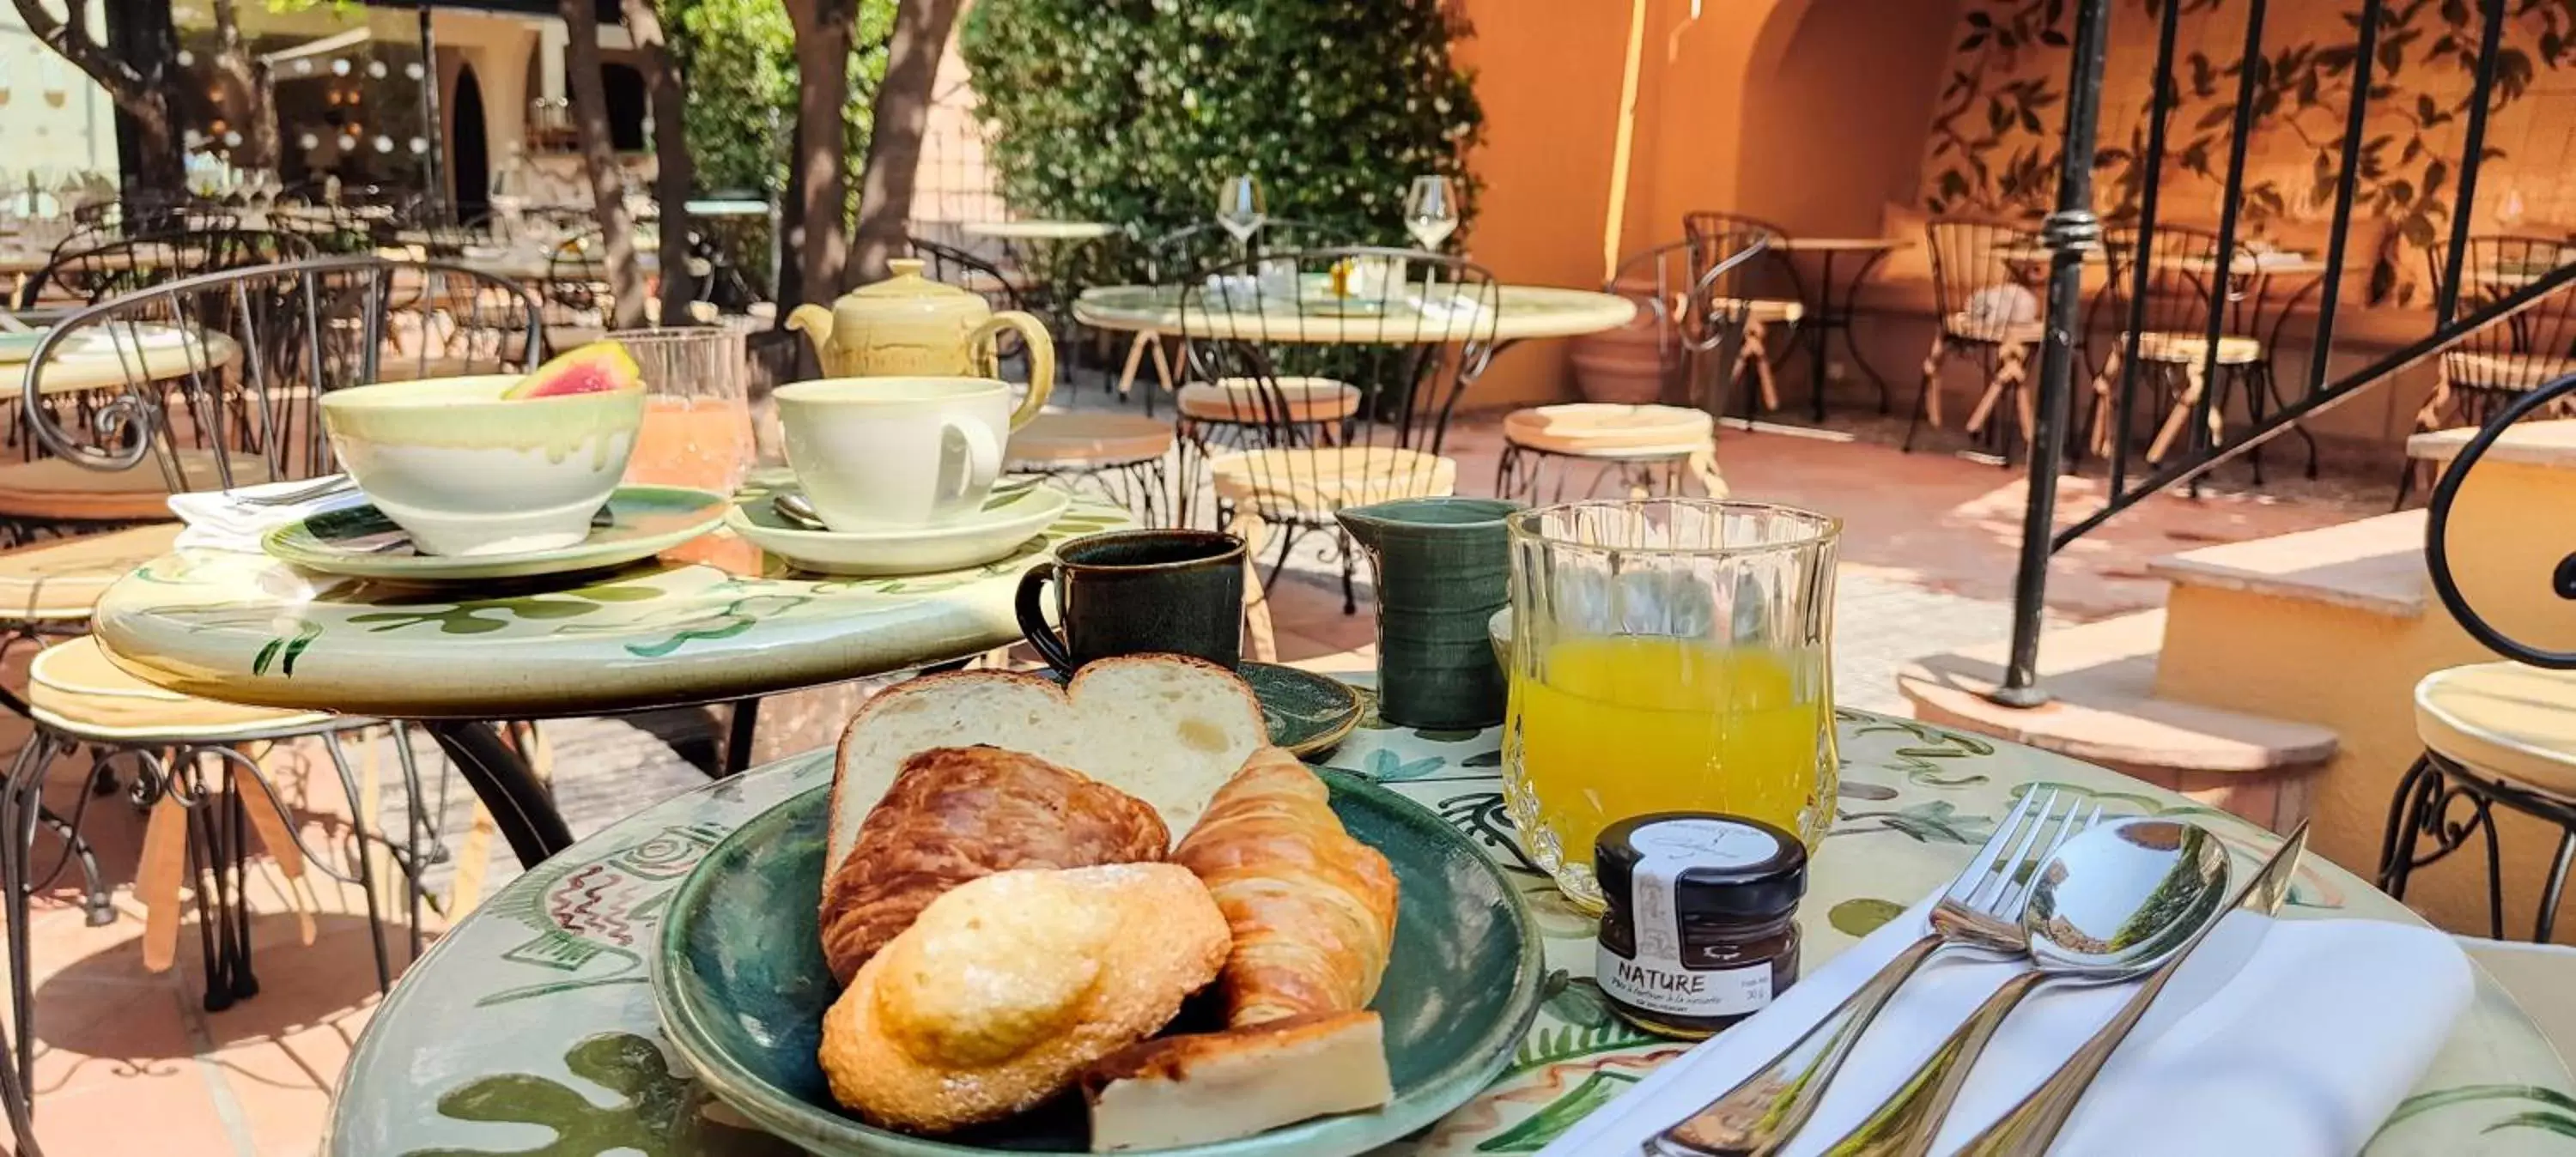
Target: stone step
2375, 565
2103, 709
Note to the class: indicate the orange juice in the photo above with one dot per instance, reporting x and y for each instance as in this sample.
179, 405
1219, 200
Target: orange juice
701, 442
1605, 728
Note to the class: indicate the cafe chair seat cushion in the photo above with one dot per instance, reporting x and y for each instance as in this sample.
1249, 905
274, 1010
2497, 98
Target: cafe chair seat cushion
57, 489
2187, 348
1307, 484
2516, 372
60, 580
1597, 430
1060, 441
1760, 310
1993, 330
75, 689
2503, 720
1254, 401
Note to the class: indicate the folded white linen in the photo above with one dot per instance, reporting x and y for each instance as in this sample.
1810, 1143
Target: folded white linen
221, 520
2285, 1038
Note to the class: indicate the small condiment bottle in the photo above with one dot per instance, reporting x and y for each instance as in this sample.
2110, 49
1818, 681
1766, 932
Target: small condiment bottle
1700, 931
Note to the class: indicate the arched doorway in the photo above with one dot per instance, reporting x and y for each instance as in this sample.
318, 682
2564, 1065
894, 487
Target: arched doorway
469, 155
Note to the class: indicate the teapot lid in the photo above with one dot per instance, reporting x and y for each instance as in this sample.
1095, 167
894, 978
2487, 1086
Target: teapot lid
907, 282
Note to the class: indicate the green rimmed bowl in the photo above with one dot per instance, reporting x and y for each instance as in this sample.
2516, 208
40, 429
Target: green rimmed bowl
741, 987
362, 541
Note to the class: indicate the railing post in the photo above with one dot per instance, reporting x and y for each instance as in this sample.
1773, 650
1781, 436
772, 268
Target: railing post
2071, 232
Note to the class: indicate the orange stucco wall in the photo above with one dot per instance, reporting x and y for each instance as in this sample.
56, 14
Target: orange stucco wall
1811, 114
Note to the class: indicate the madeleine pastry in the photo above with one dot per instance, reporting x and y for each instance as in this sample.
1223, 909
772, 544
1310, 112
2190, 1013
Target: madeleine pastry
1008, 986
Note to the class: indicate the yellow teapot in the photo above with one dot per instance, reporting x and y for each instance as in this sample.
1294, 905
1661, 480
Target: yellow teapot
911, 326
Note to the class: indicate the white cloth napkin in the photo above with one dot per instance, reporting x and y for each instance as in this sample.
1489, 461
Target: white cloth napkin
220, 520
2284, 1038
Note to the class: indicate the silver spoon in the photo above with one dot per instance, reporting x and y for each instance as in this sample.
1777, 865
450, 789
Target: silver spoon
2113, 903
796, 508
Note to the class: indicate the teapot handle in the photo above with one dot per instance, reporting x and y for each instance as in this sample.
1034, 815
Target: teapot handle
1041, 358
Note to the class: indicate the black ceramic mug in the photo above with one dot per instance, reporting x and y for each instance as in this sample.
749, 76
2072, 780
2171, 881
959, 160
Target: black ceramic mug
1130, 592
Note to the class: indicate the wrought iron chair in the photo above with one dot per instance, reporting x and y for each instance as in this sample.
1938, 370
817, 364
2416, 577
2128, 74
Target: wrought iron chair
1171, 260
1985, 278
258, 347
2186, 286
1120, 457
2500, 734
579, 302
1298, 407
1683, 289
2493, 365
134, 262
1716, 237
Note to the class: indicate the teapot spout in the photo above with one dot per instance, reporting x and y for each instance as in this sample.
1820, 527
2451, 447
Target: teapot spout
815, 322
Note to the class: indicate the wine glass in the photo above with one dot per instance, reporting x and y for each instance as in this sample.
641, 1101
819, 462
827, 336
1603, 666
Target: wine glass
1238, 209
1431, 211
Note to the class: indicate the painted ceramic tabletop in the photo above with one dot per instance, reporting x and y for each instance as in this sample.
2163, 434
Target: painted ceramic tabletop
530, 1027
710, 621
1526, 311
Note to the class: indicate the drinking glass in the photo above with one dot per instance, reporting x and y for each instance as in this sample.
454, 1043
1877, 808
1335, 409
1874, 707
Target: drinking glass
1238, 209
1667, 655
1431, 211
697, 411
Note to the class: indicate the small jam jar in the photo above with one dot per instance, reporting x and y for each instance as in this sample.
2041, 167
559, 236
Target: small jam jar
1700, 931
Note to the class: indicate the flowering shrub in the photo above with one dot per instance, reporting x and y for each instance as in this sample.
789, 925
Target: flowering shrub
1133, 111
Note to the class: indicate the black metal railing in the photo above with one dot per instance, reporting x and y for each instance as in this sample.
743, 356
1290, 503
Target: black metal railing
2072, 231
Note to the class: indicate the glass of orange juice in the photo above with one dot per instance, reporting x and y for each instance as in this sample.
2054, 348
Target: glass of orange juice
697, 408
1667, 655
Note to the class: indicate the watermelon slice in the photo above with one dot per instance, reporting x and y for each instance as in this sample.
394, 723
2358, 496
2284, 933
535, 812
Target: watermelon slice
598, 368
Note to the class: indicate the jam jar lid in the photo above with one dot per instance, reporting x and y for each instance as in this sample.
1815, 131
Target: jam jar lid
1730, 867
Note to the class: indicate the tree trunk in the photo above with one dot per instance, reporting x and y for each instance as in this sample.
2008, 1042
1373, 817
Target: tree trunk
675, 170
823, 66
902, 115
607, 189
142, 95
243, 85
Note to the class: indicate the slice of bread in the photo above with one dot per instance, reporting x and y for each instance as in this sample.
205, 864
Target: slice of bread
1166, 729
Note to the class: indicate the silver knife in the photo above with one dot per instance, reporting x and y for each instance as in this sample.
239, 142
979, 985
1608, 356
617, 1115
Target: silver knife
2033, 1124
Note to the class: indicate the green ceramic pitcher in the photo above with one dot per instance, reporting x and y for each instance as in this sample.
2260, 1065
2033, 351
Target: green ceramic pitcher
1443, 568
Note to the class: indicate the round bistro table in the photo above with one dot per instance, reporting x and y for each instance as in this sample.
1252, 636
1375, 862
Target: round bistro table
532, 1022
1523, 312
714, 621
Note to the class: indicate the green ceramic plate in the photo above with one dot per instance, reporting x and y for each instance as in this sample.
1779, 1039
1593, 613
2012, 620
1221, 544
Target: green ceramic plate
1308, 713
741, 987
644, 521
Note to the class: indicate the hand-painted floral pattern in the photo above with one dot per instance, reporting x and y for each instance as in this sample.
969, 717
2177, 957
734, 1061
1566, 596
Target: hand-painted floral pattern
464, 1040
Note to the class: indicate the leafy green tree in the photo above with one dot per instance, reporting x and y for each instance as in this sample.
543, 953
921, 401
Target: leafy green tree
1132, 111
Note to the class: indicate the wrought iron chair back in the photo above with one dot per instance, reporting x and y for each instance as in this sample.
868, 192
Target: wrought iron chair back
1691, 291
2437, 535
222, 372
1347, 396
1985, 275
2519, 353
127, 265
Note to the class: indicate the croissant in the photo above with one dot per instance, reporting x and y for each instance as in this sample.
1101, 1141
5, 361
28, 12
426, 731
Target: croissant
957, 814
1311, 909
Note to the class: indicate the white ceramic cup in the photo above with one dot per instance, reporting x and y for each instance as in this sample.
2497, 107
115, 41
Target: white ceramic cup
874, 453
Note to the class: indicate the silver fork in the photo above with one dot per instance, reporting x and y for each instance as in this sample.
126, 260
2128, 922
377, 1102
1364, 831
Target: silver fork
1980, 911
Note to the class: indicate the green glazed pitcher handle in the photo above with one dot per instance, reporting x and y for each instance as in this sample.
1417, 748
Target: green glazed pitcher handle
1031, 608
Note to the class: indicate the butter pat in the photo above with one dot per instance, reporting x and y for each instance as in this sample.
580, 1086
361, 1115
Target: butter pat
1192, 1090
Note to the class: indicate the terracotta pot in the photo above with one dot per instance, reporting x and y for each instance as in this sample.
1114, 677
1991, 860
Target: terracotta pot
1626, 366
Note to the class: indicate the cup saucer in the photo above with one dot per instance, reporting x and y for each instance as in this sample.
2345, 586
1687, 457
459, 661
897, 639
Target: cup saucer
1005, 522
360, 541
